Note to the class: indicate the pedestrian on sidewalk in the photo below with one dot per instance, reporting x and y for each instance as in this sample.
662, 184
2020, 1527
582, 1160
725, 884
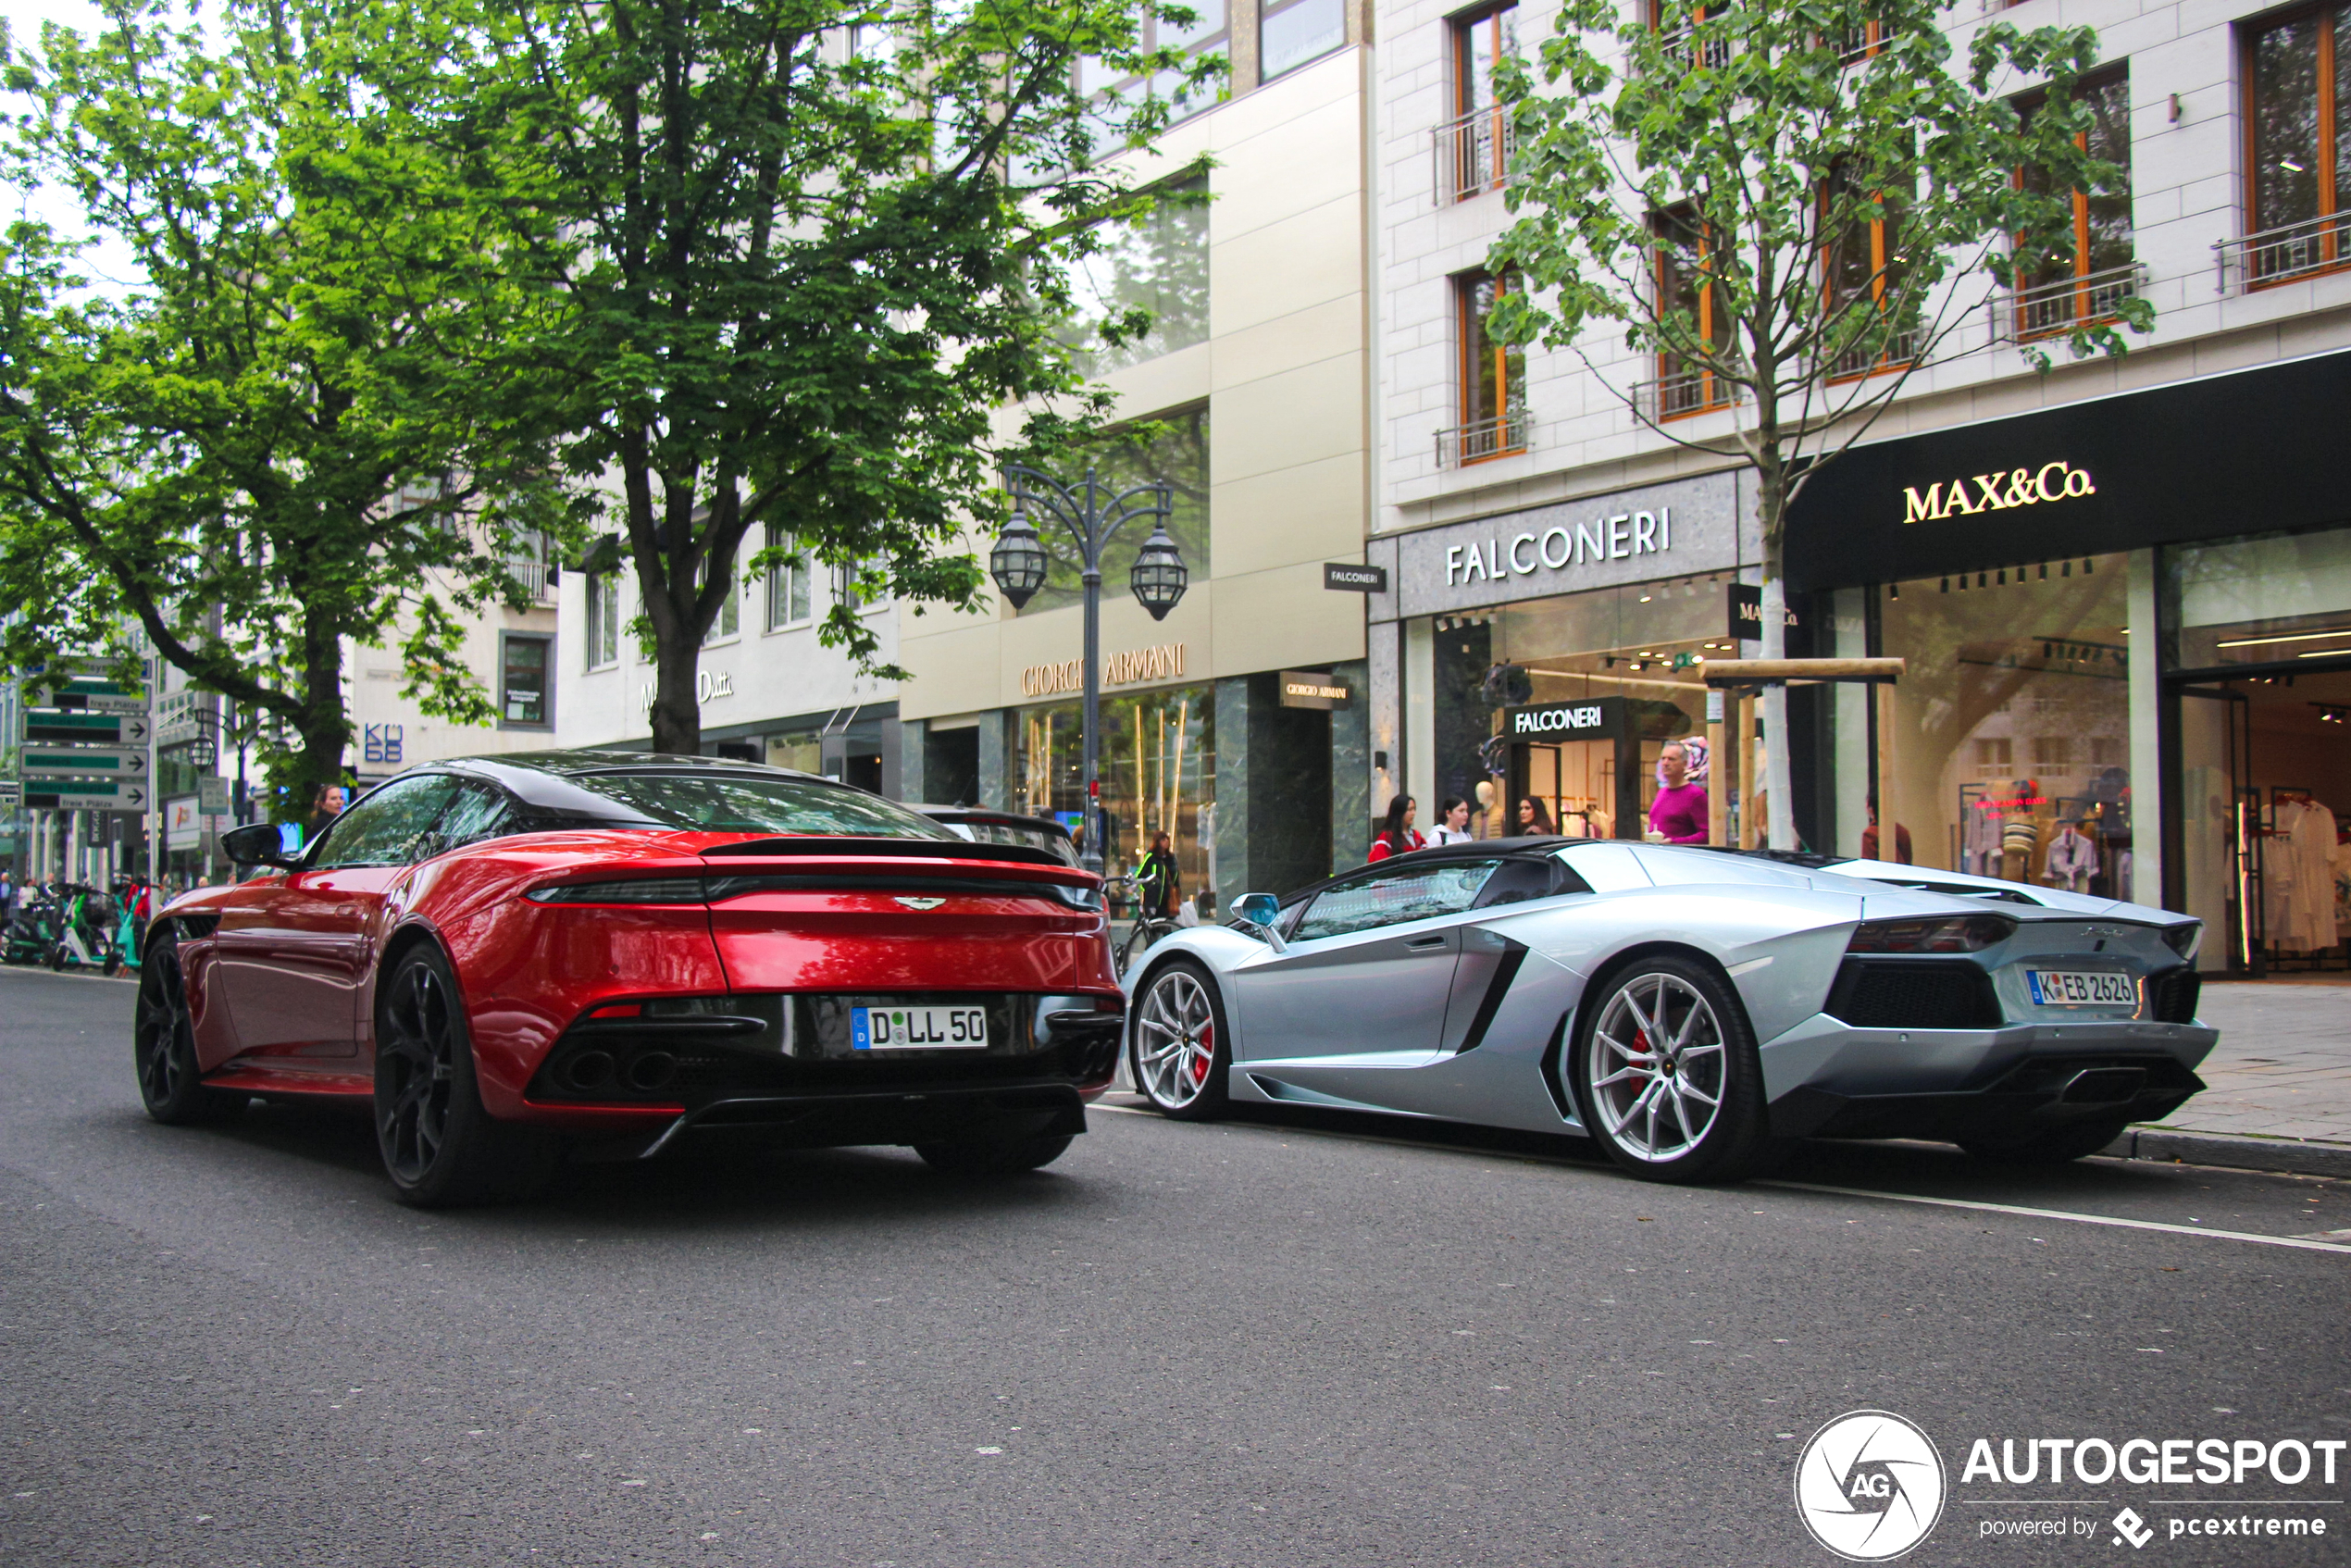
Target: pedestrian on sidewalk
1395, 834
1452, 823
1679, 814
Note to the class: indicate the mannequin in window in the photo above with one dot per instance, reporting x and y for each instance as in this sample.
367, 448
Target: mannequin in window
2020, 835
2073, 857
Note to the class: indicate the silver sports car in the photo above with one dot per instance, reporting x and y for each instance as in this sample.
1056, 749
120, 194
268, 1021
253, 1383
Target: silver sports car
1687, 1007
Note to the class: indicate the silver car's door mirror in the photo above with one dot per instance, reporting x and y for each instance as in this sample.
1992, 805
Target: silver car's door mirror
1259, 910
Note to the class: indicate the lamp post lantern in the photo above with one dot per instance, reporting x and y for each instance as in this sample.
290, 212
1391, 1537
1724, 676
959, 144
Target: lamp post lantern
1092, 520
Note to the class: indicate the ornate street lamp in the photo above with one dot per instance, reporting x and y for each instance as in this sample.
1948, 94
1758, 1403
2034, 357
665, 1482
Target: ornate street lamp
1092, 520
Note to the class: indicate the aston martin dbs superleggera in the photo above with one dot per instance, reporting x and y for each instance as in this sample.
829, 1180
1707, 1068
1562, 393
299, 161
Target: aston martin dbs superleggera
1687, 1008
612, 952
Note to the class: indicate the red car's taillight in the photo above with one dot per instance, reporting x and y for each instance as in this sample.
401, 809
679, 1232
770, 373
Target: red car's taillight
643, 890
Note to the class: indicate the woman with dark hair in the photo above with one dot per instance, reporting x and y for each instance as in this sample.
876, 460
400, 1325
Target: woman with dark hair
1533, 820
1453, 822
1395, 835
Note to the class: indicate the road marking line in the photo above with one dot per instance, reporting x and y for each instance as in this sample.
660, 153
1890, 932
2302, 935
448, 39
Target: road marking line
2303, 1242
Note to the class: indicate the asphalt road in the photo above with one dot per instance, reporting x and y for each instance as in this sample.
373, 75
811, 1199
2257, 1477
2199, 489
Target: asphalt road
1303, 1341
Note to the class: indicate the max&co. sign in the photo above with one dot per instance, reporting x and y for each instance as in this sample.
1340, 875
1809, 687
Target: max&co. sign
1997, 491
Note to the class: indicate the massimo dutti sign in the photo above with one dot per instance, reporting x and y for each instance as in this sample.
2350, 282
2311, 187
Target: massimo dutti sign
2248, 451
1675, 530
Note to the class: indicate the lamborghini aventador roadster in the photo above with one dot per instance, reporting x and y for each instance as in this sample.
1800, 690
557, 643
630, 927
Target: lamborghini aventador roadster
1690, 1009
614, 951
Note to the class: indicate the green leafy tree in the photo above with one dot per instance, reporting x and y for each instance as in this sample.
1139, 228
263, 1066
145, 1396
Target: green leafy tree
809, 251
1788, 209
299, 409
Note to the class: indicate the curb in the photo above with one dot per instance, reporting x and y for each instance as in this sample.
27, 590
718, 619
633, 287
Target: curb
2299, 1156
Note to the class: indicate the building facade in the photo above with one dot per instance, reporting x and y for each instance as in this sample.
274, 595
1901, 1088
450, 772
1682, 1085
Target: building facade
1237, 725
768, 691
2122, 588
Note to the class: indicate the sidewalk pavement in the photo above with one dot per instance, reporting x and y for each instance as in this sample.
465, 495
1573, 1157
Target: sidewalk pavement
2278, 1094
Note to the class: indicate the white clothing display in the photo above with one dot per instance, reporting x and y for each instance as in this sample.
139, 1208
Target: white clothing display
2073, 860
2298, 871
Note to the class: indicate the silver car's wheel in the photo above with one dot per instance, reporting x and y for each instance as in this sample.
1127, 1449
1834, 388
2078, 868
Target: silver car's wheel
1665, 1069
1656, 1067
1178, 1050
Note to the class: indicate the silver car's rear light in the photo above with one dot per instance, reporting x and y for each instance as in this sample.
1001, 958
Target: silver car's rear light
643, 890
2185, 940
1953, 933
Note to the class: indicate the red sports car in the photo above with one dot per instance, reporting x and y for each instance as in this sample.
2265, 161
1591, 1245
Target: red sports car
612, 952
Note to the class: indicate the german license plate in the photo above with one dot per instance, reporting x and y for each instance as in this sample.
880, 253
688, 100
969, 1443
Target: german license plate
2082, 987
918, 1028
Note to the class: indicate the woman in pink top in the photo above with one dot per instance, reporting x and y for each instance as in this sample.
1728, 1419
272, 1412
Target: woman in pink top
1679, 811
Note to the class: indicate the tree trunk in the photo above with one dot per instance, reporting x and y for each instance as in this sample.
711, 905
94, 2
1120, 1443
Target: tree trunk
1778, 792
677, 716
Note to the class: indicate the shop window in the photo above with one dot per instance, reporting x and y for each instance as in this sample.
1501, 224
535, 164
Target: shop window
604, 619
2014, 725
1474, 145
1493, 377
802, 749
1169, 448
1157, 264
788, 582
2297, 121
524, 677
1686, 293
1158, 770
1862, 273
1292, 32
2099, 273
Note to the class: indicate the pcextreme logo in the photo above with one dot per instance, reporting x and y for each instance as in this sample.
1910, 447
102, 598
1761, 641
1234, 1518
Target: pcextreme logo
1869, 1485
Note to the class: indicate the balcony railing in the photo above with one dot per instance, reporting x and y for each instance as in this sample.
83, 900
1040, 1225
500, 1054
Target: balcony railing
1473, 154
2291, 250
1713, 55
533, 576
1693, 392
1480, 439
2063, 304
1892, 354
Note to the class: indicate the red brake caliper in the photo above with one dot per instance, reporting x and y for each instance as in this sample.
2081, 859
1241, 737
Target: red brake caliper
1206, 1054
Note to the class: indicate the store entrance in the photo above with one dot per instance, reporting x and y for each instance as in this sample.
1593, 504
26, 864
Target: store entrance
2265, 767
1577, 782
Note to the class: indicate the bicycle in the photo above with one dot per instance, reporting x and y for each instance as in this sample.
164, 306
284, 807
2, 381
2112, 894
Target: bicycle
1146, 929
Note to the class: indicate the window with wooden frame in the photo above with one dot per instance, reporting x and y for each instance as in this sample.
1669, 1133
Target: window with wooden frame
1474, 146
1493, 373
2100, 272
1685, 385
2297, 124
1861, 260
1674, 20
1860, 42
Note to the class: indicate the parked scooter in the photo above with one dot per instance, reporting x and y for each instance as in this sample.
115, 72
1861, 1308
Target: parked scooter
85, 931
33, 932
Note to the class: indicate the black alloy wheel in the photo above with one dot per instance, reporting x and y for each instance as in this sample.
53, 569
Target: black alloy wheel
993, 1157
440, 1147
1667, 1077
163, 1044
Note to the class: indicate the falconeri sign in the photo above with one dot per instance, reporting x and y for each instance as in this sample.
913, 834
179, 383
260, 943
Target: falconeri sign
1997, 491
